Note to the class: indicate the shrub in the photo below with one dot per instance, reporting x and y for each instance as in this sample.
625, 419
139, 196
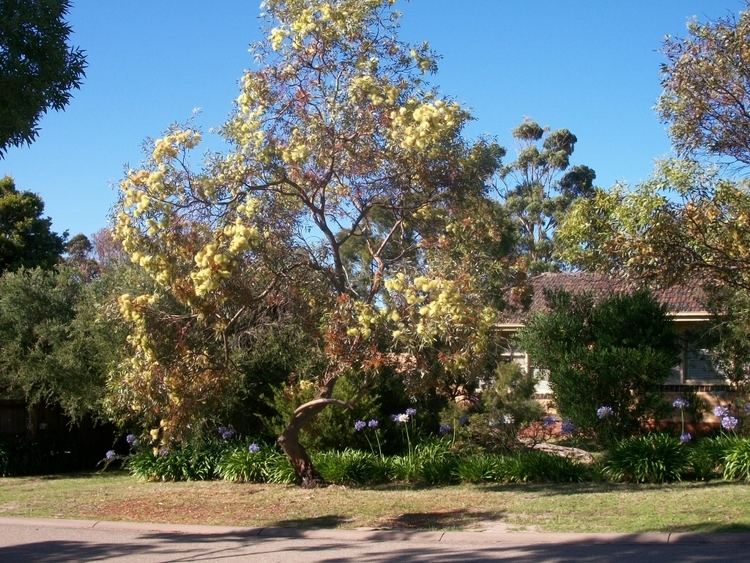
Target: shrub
654, 458
181, 463
437, 464
609, 353
241, 464
479, 468
350, 467
706, 457
737, 460
539, 467
279, 469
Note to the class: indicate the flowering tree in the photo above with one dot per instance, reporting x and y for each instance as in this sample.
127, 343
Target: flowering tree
336, 139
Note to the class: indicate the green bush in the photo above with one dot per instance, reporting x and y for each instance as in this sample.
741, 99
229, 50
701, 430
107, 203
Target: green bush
654, 458
240, 465
706, 457
539, 467
437, 463
351, 467
279, 469
611, 353
479, 468
181, 463
737, 460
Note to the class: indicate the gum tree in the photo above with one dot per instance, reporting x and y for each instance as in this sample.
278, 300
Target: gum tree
336, 138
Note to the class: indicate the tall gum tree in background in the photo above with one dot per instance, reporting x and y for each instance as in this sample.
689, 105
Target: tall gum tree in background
539, 187
336, 138
38, 69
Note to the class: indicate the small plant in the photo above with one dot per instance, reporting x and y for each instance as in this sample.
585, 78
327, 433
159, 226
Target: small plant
351, 467
706, 457
437, 464
654, 458
737, 460
479, 468
244, 464
279, 469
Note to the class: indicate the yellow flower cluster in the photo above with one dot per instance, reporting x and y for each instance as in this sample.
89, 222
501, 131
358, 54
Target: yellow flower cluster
366, 87
421, 125
367, 319
168, 146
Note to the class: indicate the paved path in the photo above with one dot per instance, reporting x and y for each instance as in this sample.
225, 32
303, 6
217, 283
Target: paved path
87, 540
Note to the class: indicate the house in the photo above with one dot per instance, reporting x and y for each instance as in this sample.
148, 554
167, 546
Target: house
685, 305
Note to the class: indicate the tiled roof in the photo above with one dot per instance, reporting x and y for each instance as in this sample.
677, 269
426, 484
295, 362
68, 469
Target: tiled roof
678, 298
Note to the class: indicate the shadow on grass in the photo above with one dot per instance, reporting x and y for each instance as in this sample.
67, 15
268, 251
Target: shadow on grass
438, 520
558, 489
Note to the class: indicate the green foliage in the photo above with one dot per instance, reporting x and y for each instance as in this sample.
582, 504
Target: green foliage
186, 462
506, 407
432, 462
706, 456
333, 429
609, 353
37, 68
351, 467
240, 465
654, 458
55, 347
522, 467
538, 187
737, 460
279, 469
706, 89
26, 238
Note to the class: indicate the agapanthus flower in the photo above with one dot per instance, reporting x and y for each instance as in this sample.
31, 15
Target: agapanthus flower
163, 451
549, 421
721, 411
508, 419
401, 418
359, 425
747, 407
226, 432
567, 427
604, 411
411, 412
729, 423
253, 448
110, 455
463, 420
132, 440
685, 437
445, 428
680, 403
373, 423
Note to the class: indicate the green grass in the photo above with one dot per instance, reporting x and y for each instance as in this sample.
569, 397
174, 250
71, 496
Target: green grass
589, 507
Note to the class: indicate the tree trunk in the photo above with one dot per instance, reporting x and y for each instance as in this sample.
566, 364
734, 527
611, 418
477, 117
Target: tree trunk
307, 475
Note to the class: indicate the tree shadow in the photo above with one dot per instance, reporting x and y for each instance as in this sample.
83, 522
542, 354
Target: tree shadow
312, 523
439, 520
596, 487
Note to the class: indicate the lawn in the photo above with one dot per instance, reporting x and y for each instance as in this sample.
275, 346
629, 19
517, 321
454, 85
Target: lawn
598, 507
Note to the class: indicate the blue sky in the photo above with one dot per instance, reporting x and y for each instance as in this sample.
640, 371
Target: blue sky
590, 66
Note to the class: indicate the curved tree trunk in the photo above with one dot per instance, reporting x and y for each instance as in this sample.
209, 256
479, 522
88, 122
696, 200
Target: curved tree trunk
307, 475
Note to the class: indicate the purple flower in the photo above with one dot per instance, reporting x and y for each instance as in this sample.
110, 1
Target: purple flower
567, 427
253, 448
603, 412
549, 421
359, 425
132, 440
110, 455
226, 432
411, 412
747, 407
721, 411
680, 403
403, 418
373, 423
163, 451
729, 423
445, 428
685, 437
463, 420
